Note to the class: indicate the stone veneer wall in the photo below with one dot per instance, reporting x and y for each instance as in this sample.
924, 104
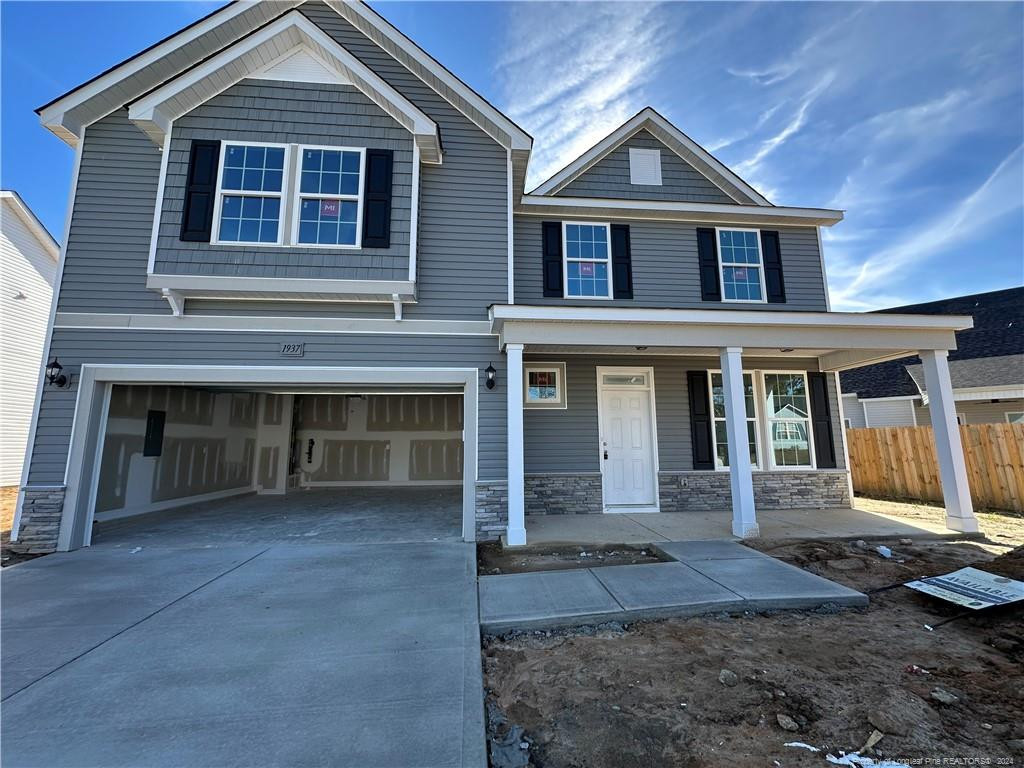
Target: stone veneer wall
40, 519
576, 494
491, 510
709, 491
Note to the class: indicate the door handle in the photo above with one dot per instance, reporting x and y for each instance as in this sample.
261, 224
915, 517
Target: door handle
309, 451
606, 454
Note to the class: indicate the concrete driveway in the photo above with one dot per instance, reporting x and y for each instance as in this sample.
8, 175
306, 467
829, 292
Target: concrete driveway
163, 650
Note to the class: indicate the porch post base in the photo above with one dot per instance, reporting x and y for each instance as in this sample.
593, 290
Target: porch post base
745, 530
515, 537
962, 524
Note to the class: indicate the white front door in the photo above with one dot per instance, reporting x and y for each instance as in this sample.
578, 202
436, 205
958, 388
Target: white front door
627, 448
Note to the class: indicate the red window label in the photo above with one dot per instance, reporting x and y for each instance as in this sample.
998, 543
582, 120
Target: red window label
586, 269
329, 208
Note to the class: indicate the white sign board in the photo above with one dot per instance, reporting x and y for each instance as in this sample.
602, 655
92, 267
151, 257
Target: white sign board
971, 588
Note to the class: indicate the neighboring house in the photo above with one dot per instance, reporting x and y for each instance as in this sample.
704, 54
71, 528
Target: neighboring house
300, 252
28, 263
986, 369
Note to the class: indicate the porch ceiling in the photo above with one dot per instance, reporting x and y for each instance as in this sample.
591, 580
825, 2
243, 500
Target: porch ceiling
837, 339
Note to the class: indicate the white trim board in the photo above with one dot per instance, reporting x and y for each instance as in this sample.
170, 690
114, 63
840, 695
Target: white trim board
35, 226
81, 477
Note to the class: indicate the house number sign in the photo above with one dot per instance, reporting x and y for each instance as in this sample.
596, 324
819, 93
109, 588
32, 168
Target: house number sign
293, 349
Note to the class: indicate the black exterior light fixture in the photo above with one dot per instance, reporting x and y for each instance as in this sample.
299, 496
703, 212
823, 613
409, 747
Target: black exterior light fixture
54, 375
489, 370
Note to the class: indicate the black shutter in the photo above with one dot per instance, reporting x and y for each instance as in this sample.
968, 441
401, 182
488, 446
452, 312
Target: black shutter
821, 421
552, 231
622, 262
377, 199
772, 255
200, 188
700, 420
707, 253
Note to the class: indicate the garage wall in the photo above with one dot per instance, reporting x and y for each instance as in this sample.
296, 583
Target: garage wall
976, 411
208, 447
378, 439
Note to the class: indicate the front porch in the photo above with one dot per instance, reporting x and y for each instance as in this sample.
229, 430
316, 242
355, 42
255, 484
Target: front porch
651, 528
665, 416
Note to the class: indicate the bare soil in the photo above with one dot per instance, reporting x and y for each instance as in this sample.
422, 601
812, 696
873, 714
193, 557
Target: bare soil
650, 694
492, 559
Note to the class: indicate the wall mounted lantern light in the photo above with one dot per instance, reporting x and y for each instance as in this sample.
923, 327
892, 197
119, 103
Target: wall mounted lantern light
54, 375
489, 370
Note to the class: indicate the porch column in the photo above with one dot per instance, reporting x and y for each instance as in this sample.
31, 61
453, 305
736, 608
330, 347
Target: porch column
744, 519
516, 533
952, 468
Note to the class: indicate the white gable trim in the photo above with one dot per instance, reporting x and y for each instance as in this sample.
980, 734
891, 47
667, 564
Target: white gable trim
265, 49
677, 141
41, 234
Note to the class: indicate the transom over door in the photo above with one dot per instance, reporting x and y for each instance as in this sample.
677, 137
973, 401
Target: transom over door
627, 448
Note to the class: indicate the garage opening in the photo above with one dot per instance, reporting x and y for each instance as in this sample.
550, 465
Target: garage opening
212, 451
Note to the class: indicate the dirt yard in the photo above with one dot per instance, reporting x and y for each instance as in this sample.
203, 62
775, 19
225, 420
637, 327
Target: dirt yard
717, 691
492, 559
1000, 527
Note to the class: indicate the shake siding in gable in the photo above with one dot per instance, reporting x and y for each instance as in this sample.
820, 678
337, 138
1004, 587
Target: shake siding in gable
462, 262
287, 113
666, 268
111, 223
609, 177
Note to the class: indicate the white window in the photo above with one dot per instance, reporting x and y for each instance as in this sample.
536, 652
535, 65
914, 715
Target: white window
260, 203
787, 419
961, 419
741, 268
645, 166
250, 186
1015, 417
718, 418
544, 385
847, 424
328, 206
586, 252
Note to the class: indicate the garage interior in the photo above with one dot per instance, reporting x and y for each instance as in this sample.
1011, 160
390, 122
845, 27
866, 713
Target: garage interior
194, 453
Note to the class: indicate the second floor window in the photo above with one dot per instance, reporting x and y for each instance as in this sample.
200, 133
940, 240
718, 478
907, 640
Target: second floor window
261, 202
587, 256
739, 256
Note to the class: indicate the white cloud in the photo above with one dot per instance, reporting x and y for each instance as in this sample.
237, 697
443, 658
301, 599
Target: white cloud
860, 284
580, 75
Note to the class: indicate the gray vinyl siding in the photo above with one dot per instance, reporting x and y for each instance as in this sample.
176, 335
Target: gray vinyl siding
609, 177
77, 346
853, 410
566, 440
111, 223
975, 411
666, 268
287, 113
462, 261
889, 413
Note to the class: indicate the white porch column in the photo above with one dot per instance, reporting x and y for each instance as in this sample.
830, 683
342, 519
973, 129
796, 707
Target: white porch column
516, 533
956, 491
744, 519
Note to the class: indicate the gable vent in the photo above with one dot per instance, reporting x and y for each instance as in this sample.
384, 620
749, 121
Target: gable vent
645, 166
300, 67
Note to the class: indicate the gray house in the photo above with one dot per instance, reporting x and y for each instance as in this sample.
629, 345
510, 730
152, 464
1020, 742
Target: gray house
299, 254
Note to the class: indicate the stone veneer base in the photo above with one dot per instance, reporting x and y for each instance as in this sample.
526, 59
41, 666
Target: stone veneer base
576, 494
491, 510
41, 509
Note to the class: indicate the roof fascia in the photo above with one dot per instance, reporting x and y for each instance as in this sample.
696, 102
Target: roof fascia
33, 223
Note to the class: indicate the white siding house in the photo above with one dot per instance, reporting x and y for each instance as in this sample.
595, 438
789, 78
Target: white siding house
28, 265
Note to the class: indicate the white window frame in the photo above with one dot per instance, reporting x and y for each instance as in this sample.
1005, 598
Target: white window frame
561, 402
565, 260
1008, 414
769, 422
722, 265
298, 195
756, 419
221, 193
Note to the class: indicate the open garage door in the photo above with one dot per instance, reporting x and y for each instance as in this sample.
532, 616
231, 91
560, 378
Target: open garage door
157, 447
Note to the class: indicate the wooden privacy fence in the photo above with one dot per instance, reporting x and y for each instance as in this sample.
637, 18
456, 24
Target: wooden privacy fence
900, 462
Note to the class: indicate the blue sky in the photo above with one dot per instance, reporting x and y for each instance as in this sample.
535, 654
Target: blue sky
910, 116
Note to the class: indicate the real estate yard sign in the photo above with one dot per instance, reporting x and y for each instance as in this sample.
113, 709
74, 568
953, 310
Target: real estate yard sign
971, 588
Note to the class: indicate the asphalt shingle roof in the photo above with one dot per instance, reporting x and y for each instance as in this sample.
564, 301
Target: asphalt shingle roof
998, 332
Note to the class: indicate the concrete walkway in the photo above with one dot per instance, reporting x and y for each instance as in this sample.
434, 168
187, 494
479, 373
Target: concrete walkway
156, 650
706, 577
643, 528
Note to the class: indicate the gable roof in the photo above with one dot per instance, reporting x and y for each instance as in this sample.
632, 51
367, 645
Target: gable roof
648, 119
67, 115
265, 49
32, 222
998, 332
